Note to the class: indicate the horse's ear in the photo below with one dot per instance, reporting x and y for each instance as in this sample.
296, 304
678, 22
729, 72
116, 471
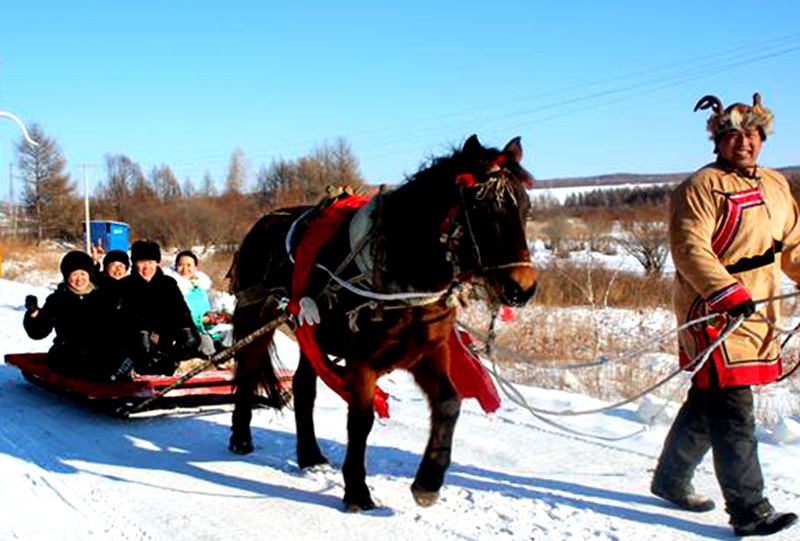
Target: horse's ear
514, 149
472, 145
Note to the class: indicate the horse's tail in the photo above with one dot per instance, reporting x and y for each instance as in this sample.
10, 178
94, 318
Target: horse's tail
274, 380
259, 370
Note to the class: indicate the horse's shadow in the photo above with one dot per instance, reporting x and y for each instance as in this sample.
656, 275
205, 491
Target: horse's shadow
183, 444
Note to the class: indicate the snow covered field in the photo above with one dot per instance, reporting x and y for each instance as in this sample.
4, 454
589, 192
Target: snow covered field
69, 473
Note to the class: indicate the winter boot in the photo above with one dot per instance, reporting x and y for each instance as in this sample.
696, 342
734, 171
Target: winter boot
682, 495
764, 524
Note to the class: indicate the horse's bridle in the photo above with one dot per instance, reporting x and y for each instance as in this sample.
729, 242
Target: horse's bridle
496, 184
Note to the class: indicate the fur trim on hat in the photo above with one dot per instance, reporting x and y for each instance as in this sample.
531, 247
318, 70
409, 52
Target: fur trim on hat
76, 260
738, 116
145, 249
116, 255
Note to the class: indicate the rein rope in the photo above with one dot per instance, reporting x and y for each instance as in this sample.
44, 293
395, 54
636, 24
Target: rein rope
689, 371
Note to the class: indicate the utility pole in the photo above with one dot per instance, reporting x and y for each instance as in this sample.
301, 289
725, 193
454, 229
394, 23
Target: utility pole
86, 167
11, 197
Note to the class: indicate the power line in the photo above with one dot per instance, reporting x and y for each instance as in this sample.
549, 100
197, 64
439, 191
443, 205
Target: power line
565, 101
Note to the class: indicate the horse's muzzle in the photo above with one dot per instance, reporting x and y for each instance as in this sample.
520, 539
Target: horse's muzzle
514, 295
517, 287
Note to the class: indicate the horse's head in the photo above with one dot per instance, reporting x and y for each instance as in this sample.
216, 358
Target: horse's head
488, 231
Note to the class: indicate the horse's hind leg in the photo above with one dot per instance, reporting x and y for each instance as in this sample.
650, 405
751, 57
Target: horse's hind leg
248, 370
304, 387
445, 404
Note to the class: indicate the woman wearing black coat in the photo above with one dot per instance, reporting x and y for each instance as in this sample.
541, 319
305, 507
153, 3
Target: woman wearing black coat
76, 310
157, 324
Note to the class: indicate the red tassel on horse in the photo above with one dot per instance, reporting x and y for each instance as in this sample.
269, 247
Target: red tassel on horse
468, 373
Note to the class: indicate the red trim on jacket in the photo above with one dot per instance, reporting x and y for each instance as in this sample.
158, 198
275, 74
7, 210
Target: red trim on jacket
732, 220
727, 297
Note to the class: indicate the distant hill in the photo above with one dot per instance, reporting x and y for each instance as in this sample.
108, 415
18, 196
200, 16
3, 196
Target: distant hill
630, 178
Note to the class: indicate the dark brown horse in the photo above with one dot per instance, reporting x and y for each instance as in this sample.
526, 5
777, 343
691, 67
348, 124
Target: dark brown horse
384, 282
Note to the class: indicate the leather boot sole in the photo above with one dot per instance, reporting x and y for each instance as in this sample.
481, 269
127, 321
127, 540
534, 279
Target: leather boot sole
767, 525
695, 503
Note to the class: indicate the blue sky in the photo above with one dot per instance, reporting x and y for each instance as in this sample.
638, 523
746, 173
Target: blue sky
592, 87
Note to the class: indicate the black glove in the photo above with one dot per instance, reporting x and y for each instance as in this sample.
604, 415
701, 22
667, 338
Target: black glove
31, 303
187, 343
745, 308
143, 345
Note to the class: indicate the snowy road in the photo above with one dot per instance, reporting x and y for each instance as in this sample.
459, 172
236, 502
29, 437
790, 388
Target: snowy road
70, 473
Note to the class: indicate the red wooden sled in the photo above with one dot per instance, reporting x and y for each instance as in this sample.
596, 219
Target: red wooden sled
205, 388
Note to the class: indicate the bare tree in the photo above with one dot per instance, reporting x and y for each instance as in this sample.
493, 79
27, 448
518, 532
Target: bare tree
236, 179
207, 189
124, 180
306, 179
164, 183
647, 242
188, 189
49, 193
344, 167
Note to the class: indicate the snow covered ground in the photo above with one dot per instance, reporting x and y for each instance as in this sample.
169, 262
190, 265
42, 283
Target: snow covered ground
70, 473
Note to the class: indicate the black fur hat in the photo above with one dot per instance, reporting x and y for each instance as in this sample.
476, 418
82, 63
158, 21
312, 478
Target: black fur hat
116, 255
76, 260
145, 249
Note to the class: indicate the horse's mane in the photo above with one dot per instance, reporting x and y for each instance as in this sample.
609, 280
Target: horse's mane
412, 214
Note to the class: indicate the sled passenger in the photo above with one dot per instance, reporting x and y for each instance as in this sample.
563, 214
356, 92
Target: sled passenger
195, 286
75, 310
116, 265
734, 226
157, 326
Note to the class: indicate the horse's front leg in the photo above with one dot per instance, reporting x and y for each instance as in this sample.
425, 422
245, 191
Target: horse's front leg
360, 418
445, 403
304, 387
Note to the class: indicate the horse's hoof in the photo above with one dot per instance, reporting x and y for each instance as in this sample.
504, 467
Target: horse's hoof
424, 498
241, 447
311, 462
358, 505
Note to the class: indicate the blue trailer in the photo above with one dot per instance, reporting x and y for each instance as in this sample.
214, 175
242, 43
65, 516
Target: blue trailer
108, 235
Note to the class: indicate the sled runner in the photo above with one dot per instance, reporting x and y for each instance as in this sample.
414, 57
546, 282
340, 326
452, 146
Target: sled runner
207, 387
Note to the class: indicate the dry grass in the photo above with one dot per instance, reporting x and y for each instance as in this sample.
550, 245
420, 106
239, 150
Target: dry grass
541, 344
20, 257
569, 284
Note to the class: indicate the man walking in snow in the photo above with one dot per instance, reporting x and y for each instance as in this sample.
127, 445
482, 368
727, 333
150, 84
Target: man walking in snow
733, 227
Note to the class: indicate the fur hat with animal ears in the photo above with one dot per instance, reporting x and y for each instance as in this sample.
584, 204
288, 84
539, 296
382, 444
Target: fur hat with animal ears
736, 117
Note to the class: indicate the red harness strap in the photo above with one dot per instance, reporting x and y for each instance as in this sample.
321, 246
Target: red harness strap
466, 371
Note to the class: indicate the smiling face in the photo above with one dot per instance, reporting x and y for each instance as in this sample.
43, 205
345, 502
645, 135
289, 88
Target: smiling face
186, 266
78, 280
146, 268
116, 270
740, 148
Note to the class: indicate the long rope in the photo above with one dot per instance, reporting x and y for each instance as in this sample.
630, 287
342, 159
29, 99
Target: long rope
488, 338
599, 361
694, 366
517, 398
